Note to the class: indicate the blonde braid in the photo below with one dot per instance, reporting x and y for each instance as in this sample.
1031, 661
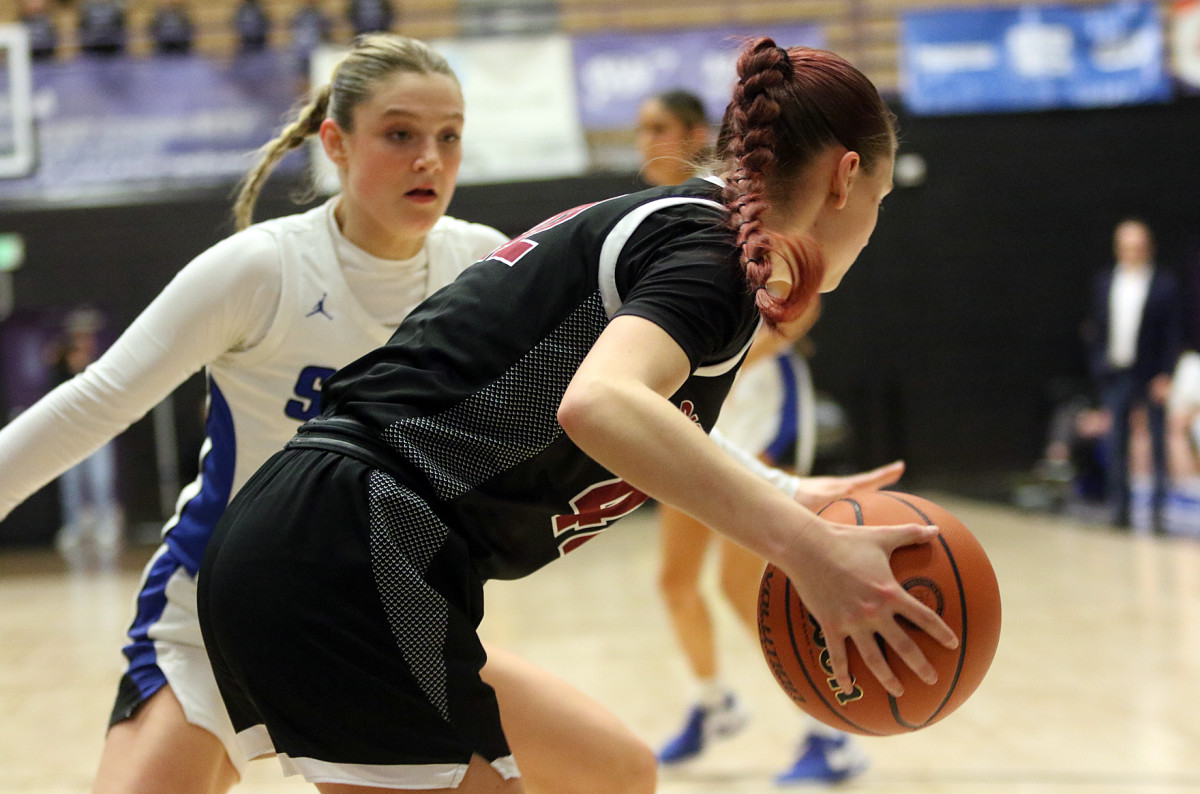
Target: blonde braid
307, 122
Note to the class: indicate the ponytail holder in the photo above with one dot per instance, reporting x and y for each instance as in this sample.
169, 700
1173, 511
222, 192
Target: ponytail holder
785, 64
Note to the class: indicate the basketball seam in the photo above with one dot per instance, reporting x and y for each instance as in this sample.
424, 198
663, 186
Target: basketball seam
787, 606
796, 650
962, 602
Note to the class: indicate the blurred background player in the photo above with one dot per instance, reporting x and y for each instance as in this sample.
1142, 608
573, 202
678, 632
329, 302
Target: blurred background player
771, 399
770, 413
672, 137
1183, 407
311, 27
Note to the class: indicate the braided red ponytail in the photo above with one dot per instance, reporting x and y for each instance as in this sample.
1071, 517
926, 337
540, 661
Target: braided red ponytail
788, 106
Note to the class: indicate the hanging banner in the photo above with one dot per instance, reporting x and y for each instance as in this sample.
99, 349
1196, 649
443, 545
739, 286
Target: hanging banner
116, 125
522, 121
16, 103
614, 72
1032, 58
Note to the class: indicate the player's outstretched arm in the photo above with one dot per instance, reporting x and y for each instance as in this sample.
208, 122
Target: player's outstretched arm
816, 492
615, 410
215, 303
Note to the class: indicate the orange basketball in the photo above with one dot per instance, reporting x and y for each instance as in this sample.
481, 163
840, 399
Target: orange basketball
952, 575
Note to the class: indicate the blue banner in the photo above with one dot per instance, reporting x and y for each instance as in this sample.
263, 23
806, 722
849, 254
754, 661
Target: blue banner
168, 122
614, 72
1032, 58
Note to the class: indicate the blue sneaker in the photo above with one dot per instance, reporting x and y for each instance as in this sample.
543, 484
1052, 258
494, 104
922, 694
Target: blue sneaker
824, 760
704, 725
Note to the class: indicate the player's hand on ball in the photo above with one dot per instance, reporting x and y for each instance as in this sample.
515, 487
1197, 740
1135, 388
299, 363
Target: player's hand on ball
949, 574
816, 492
842, 572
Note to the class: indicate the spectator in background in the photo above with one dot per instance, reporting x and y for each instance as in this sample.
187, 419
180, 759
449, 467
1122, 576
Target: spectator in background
1135, 334
252, 25
171, 29
91, 512
370, 16
102, 28
43, 36
311, 27
1073, 461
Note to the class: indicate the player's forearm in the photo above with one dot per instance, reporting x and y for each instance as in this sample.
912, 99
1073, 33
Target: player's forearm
46, 440
81, 415
780, 479
642, 438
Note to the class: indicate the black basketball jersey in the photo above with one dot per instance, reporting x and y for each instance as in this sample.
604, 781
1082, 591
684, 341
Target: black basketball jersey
465, 394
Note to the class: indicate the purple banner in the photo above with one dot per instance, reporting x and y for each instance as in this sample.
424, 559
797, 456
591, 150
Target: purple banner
614, 72
167, 122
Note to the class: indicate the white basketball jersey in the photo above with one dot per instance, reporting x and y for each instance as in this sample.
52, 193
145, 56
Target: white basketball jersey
258, 397
771, 407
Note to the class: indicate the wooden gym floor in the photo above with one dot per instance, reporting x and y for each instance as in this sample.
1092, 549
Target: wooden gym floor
1095, 688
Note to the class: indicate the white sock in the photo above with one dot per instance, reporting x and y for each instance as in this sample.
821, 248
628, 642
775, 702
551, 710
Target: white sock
711, 693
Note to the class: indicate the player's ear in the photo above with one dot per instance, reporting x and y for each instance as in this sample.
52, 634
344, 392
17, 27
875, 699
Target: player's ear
333, 141
844, 175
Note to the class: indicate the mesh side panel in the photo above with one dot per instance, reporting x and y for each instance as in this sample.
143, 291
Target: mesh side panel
507, 422
405, 535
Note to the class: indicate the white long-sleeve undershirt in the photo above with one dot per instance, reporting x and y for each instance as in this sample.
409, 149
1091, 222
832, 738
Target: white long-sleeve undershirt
785, 482
224, 300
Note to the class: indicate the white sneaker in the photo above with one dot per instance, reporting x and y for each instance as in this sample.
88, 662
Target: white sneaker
823, 760
705, 725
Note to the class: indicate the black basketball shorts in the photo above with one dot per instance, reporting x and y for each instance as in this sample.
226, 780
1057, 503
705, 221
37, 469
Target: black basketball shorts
340, 615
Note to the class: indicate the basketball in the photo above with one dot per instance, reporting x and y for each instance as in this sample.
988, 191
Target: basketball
952, 575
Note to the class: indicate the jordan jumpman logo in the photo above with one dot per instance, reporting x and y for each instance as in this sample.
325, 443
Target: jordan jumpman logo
320, 307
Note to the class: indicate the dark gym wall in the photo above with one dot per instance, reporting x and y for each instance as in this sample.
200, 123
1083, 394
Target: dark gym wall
943, 343
949, 337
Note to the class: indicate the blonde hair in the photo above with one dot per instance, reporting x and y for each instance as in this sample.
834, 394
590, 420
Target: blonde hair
373, 58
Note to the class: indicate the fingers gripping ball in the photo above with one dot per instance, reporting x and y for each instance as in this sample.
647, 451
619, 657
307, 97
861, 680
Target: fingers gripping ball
952, 575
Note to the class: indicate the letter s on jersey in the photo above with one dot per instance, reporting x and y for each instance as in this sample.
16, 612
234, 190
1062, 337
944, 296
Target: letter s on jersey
308, 393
